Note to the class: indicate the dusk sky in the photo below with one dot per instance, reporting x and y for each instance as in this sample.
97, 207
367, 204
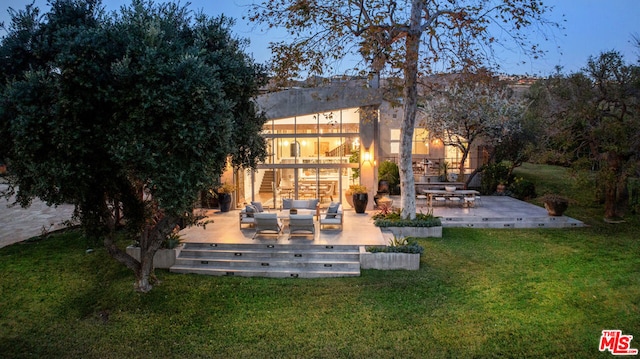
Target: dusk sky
592, 27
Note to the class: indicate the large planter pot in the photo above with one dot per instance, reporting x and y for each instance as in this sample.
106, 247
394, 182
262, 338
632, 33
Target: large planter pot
556, 208
383, 186
360, 201
389, 261
224, 200
163, 259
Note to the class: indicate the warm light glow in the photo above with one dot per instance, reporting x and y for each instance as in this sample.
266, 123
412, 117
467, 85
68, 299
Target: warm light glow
366, 156
285, 143
304, 143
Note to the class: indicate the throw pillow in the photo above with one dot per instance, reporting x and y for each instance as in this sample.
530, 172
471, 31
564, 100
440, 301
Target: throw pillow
250, 210
286, 203
332, 210
258, 206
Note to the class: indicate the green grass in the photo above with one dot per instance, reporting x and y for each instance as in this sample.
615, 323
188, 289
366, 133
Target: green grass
478, 293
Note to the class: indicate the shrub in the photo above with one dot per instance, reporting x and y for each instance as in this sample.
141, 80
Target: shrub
523, 189
395, 219
492, 175
398, 245
388, 171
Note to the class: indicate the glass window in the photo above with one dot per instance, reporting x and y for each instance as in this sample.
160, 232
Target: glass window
420, 145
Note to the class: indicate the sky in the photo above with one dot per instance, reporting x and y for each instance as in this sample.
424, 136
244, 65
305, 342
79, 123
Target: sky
591, 27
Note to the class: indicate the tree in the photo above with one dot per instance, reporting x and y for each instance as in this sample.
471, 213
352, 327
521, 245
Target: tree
592, 118
388, 35
472, 108
100, 108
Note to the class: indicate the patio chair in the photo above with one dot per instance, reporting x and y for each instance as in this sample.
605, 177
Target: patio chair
333, 216
421, 200
267, 224
439, 200
470, 201
301, 225
246, 215
454, 200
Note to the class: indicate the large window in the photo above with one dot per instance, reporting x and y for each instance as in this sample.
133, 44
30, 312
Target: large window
308, 157
420, 144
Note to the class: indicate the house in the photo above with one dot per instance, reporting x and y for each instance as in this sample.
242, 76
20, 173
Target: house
324, 138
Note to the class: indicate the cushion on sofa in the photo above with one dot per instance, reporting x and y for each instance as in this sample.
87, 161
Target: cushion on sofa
250, 210
258, 206
300, 203
332, 210
286, 203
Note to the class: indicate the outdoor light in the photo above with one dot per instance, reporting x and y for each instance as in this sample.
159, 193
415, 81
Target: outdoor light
366, 157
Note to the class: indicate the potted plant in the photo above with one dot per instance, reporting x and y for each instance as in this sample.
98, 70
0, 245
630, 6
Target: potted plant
401, 253
360, 197
224, 196
444, 171
555, 204
423, 225
389, 176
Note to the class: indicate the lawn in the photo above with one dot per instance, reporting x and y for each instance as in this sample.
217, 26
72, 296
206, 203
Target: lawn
478, 293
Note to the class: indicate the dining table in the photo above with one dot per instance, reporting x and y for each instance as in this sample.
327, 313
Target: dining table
459, 193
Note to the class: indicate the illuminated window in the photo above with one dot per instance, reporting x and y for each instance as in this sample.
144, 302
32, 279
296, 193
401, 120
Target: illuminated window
420, 144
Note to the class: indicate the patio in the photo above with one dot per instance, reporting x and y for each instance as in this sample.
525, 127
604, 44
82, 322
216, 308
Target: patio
491, 212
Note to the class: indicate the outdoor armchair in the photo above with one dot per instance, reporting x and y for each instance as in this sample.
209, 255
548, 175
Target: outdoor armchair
333, 216
267, 224
301, 225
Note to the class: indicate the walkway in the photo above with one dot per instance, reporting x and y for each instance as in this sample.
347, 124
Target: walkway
18, 224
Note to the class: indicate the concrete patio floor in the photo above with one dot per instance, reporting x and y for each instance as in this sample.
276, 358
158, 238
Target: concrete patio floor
18, 224
358, 229
491, 212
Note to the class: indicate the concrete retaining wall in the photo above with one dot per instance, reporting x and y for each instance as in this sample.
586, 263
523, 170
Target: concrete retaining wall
416, 232
387, 261
163, 259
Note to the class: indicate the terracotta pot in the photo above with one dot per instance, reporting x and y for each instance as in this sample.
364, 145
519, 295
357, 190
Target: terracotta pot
555, 208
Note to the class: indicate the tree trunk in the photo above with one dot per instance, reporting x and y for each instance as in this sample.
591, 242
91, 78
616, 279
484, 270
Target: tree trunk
407, 183
150, 241
463, 160
614, 187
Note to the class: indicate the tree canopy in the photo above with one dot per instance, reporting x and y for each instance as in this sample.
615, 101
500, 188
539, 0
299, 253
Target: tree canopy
471, 108
591, 120
98, 107
408, 39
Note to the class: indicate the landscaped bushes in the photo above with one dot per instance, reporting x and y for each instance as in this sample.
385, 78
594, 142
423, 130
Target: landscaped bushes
398, 246
492, 175
522, 189
394, 219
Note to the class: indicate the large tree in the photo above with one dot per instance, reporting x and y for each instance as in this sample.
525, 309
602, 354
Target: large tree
407, 38
593, 119
98, 109
473, 108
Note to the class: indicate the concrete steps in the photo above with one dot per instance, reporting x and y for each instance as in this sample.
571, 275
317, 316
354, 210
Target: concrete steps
508, 222
269, 260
